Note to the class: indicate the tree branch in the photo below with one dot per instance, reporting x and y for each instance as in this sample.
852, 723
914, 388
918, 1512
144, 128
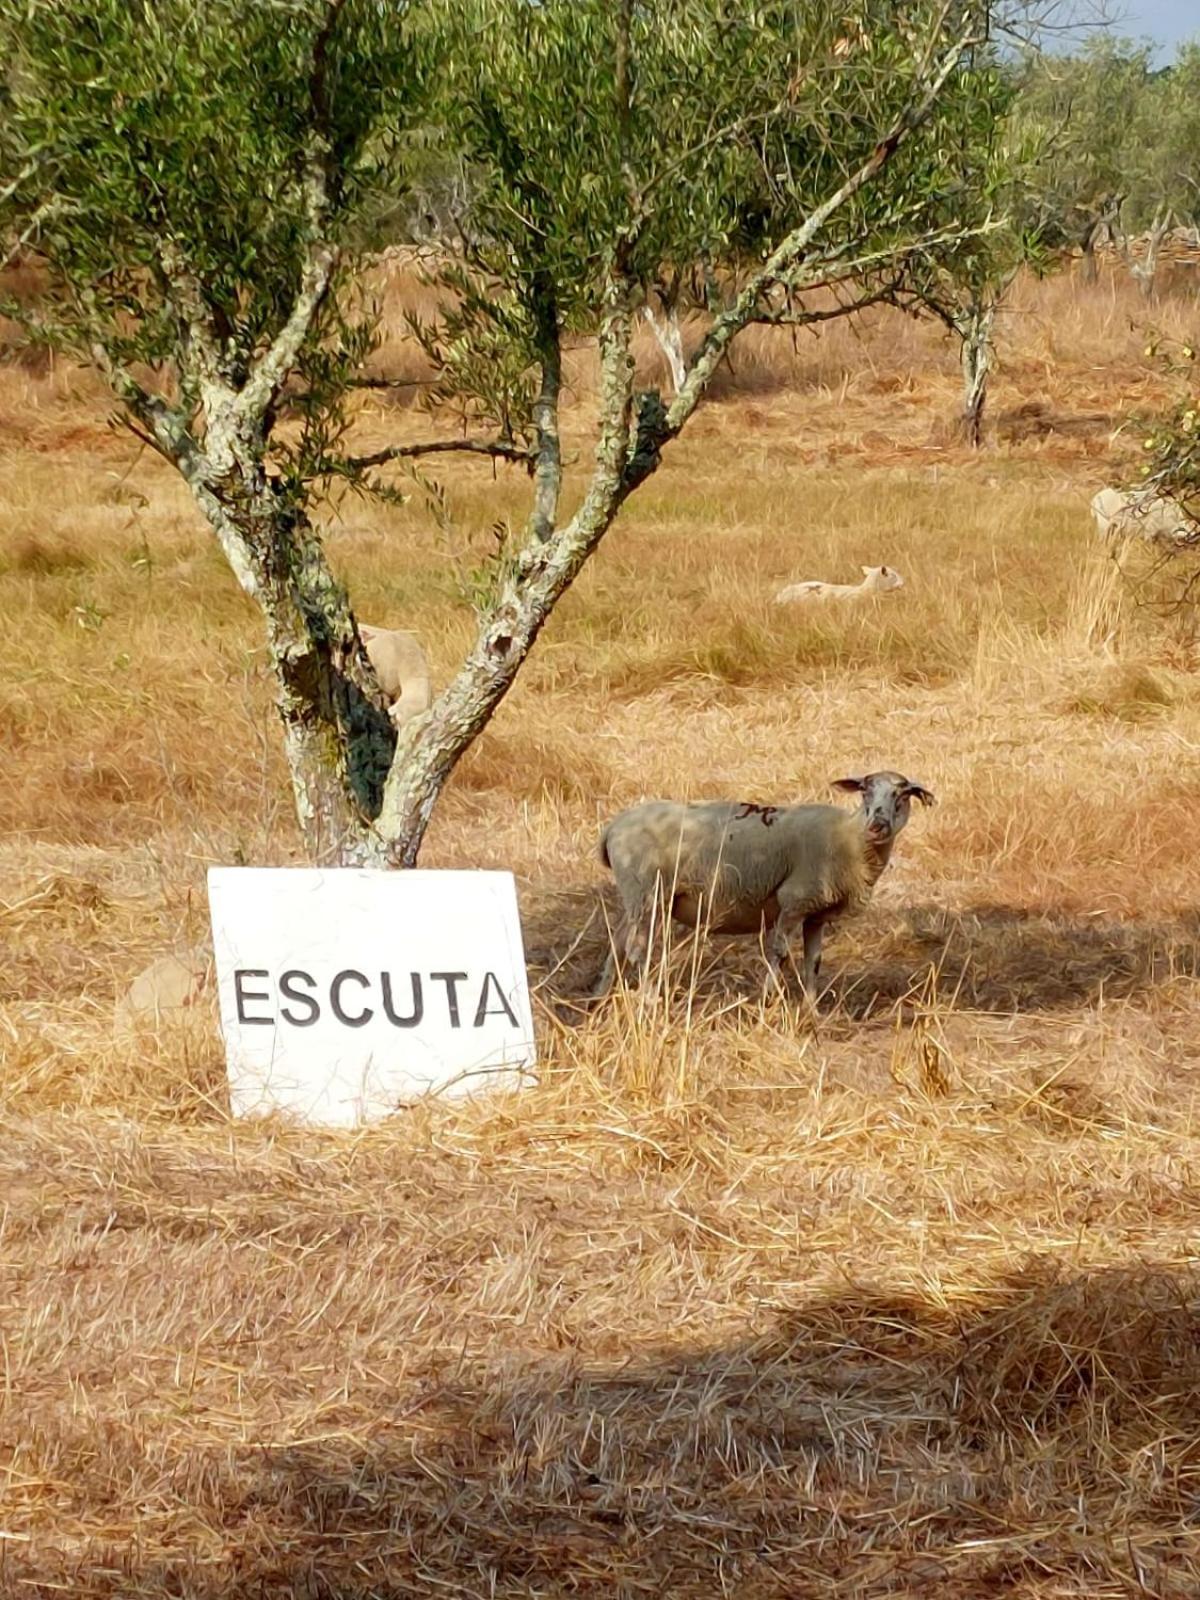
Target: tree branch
269, 372
428, 750
318, 87
26, 172
500, 449
193, 311
789, 317
784, 258
390, 383
547, 455
25, 237
166, 428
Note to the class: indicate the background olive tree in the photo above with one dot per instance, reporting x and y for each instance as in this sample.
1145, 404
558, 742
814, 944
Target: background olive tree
1125, 137
997, 168
198, 180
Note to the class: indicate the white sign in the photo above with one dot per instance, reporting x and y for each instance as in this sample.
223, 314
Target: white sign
346, 993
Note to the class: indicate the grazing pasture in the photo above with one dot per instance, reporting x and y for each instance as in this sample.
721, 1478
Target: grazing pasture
902, 1301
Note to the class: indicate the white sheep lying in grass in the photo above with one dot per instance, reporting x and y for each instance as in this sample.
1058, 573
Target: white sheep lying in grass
402, 669
731, 868
876, 580
168, 987
1141, 514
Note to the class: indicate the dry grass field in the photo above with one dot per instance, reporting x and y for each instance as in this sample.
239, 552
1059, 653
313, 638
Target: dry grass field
903, 1302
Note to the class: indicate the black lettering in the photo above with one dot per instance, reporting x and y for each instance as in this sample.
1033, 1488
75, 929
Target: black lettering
483, 1009
287, 988
452, 981
335, 998
418, 1003
765, 814
241, 995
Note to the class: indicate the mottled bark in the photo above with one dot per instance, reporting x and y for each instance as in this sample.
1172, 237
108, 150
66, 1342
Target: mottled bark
975, 331
547, 467
1145, 272
665, 327
337, 735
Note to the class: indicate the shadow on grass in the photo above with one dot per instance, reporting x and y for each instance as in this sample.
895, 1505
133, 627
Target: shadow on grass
1041, 1438
994, 958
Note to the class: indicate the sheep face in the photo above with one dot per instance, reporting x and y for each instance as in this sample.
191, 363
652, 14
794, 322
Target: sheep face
886, 800
881, 579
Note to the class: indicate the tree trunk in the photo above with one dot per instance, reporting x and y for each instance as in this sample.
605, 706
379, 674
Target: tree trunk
338, 738
1105, 222
976, 356
1088, 271
337, 733
670, 342
1146, 271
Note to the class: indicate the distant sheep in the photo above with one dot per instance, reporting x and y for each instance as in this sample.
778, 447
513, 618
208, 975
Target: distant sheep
876, 580
169, 986
1141, 514
402, 669
733, 868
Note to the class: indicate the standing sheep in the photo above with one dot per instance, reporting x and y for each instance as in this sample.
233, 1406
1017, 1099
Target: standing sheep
402, 669
876, 580
747, 868
1141, 514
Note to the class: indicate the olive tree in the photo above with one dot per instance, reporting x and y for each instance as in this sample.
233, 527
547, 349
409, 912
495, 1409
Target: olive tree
194, 176
1126, 145
998, 175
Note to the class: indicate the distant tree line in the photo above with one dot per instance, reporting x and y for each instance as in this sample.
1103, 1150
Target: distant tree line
1122, 141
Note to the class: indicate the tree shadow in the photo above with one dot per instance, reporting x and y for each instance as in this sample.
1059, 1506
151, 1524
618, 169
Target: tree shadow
1040, 1438
992, 958
1036, 419
1003, 959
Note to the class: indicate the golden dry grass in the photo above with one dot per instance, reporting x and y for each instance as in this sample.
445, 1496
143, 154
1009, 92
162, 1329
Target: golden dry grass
905, 1303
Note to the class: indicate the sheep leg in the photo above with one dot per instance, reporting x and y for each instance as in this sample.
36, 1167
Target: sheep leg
608, 975
809, 926
814, 929
638, 930
630, 947
413, 699
779, 947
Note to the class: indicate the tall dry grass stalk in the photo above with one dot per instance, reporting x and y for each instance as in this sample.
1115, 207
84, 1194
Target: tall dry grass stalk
896, 1299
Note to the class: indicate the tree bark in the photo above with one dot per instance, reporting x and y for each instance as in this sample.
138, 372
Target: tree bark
547, 470
1146, 271
665, 326
338, 739
1088, 271
1104, 222
975, 332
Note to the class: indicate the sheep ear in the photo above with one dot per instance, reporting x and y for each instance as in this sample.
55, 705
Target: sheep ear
851, 785
867, 570
925, 796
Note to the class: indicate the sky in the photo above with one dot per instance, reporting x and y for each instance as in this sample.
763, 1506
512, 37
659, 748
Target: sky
1167, 22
